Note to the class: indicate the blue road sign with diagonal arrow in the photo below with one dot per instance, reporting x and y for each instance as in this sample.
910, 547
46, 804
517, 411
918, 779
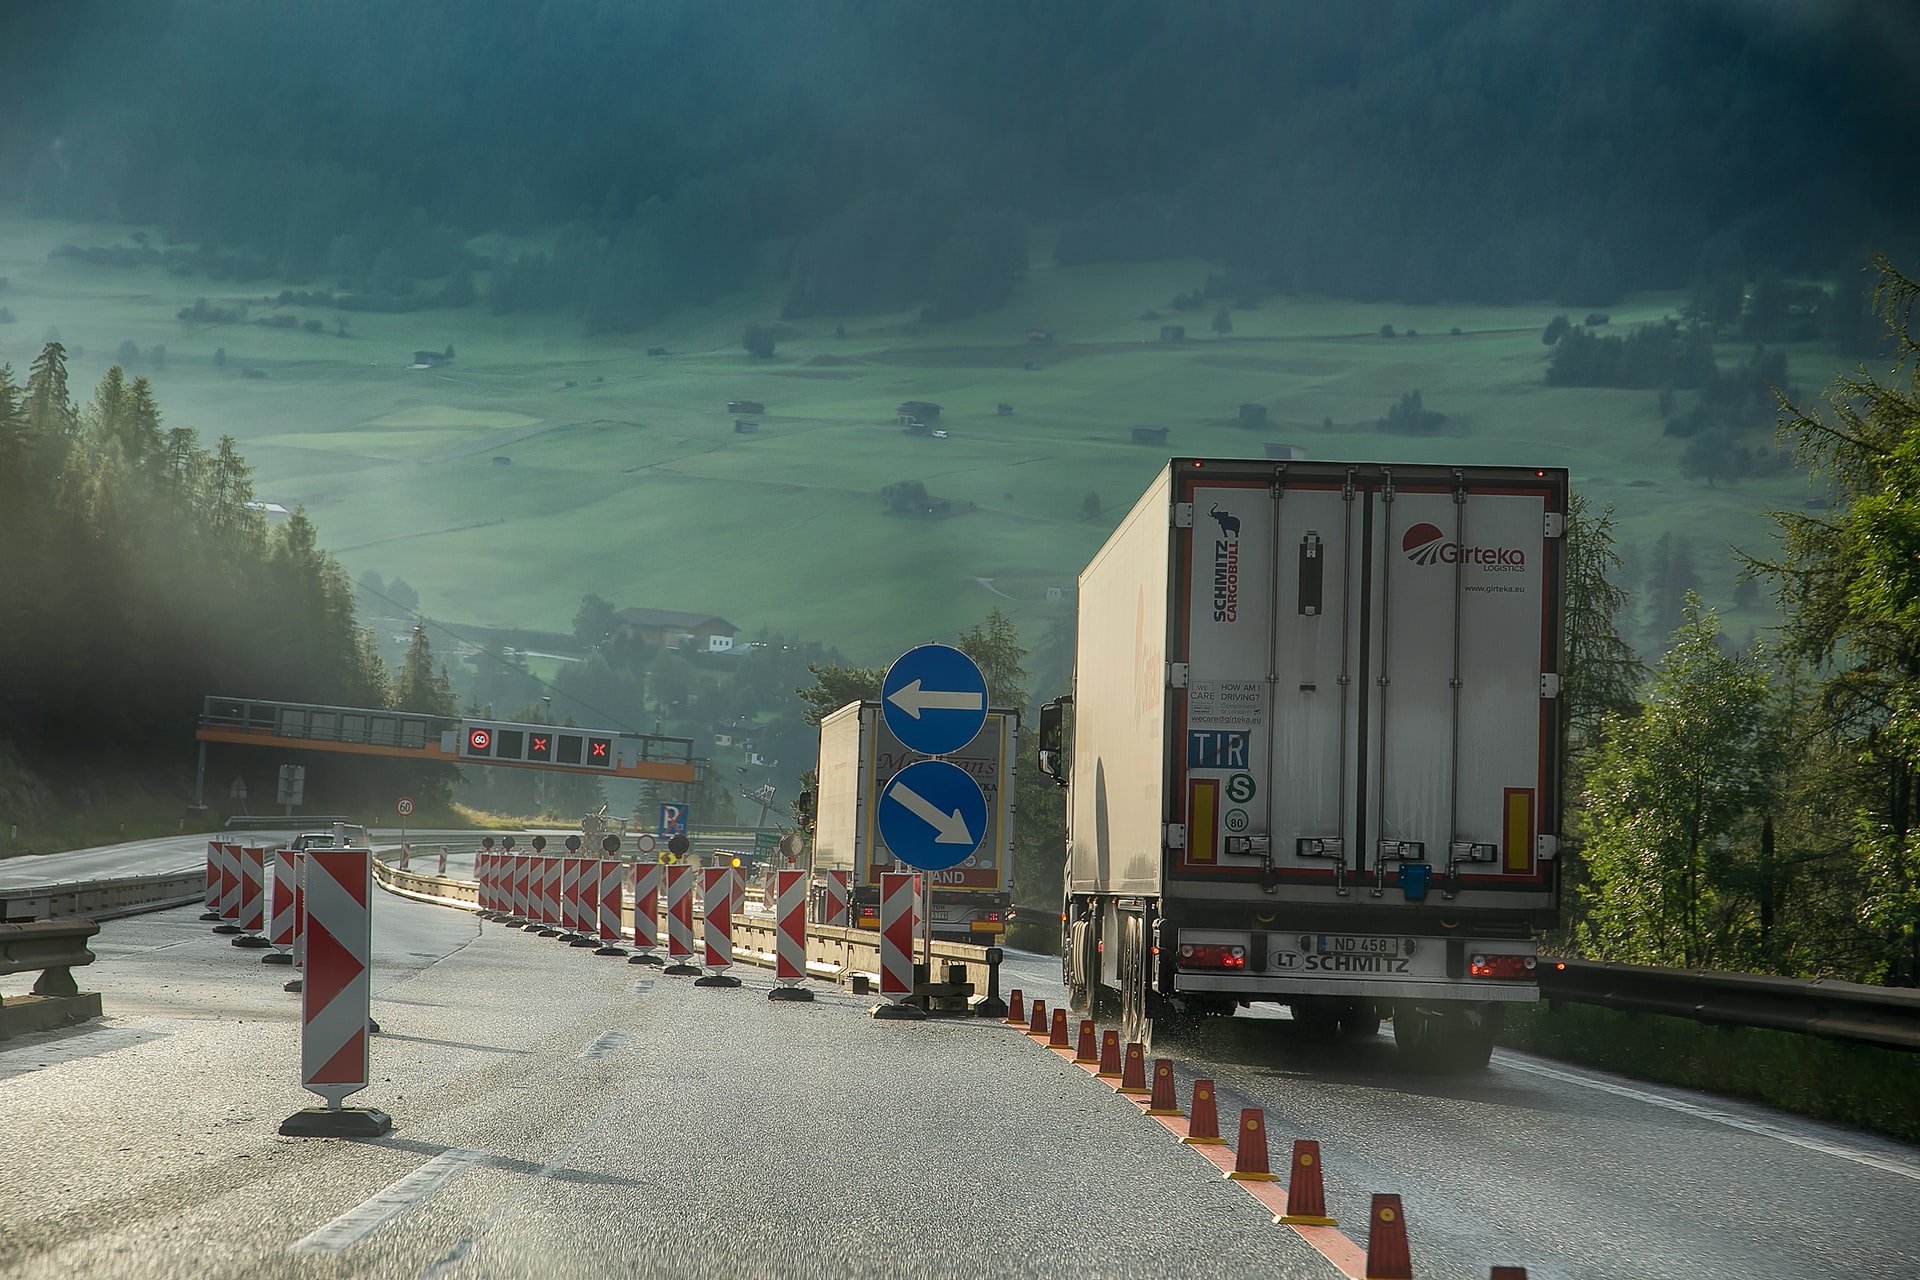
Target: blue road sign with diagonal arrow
934, 699
932, 815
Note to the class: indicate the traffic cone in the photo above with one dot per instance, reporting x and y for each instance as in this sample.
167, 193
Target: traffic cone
1250, 1153
1203, 1125
1086, 1052
1038, 1026
1163, 1102
1109, 1055
1057, 1036
1016, 1009
1387, 1257
1306, 1192
1133, 1076
1508, 1273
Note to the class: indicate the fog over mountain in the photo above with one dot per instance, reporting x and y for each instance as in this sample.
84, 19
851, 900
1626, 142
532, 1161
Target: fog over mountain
877, 155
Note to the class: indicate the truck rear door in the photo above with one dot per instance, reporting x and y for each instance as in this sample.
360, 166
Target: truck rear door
1371, 659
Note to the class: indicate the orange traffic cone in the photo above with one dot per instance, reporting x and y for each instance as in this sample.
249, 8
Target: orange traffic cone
1086, 1052
1133, 1076
1387, 1257
1109, 1055
1163, 1102
1057, 1037
1250, 1153
1203, 1126
1016, 1009
1306, 1193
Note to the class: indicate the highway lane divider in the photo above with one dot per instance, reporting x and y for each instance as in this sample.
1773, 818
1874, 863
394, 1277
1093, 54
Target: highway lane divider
832, 954
101, 899
1297, 1202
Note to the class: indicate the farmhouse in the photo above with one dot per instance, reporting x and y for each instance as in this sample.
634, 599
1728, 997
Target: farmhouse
673, 629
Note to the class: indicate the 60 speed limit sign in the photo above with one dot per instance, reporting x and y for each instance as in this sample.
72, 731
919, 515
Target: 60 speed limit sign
404, 807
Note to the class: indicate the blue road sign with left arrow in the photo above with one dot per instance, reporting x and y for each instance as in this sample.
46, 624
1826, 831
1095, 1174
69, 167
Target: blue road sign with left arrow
934, 699
933, 815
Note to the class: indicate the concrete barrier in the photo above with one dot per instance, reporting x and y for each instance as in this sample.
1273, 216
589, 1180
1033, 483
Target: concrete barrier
51, 948
101, 899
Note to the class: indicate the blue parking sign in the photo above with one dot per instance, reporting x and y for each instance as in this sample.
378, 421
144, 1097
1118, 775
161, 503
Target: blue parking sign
673, 820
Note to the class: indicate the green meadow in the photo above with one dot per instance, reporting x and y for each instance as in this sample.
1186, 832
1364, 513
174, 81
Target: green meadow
624, 475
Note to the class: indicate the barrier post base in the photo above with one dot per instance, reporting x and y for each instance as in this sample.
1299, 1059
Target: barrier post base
789, 993
547, 933
645, 957
887, 1011
228, 928
717, 980
681, 969
584, 942
295, 984
277, 957
611, 950
251, 941
347, 1122
211, 916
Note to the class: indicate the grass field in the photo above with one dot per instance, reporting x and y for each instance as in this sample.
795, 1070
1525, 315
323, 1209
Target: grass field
626, 477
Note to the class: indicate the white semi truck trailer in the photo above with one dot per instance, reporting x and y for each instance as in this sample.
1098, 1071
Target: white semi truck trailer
1313, 749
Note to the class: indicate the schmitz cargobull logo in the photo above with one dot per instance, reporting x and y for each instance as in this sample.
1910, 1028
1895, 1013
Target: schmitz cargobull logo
1426, 543
1226, 566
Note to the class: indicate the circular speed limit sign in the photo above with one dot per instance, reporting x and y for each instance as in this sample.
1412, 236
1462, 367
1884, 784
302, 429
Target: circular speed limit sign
644, 844
405, 807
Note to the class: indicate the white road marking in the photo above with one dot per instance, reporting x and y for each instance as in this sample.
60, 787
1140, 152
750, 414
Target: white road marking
507, 1207
1872, 1161
364, 1218
608, 1043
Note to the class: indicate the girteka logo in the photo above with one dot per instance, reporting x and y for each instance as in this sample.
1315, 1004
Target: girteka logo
1426, 544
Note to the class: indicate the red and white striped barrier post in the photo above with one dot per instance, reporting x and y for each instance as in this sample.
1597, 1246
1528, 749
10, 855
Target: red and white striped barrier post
680, 921
335, 1000
586, 915
253, 899
216, 857
569, 898
406, 855
790, 936
443, 859
522, 907
281, 911
546, 896
607, 900
718, 886
899, 903
836, 899
229, 889
646, 913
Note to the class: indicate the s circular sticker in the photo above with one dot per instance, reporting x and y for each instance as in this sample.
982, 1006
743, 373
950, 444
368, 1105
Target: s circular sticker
1240, 788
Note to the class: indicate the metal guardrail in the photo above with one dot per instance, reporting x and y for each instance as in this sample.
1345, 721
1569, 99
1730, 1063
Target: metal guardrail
52, 948
101, 899
1888, 1017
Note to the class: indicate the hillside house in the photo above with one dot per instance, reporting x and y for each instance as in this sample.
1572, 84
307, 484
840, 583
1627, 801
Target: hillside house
742, 427
430, 359
745, 406
924, 410
1149, 435
674, 629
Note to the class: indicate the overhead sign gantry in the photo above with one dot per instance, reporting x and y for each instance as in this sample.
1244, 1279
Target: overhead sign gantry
429, 739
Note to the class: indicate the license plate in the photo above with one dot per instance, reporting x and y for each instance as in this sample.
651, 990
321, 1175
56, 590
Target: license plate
1348, 944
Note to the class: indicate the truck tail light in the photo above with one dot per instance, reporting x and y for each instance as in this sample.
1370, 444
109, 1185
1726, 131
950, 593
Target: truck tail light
1487, 966
1212, 955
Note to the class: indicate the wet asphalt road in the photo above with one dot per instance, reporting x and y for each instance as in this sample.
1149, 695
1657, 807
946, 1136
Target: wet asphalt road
557, 1113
